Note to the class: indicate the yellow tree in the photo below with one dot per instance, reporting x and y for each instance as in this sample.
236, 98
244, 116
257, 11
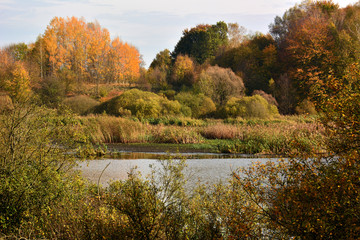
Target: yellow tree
50, 43
84, 51
17, 81
14, 78
183, 72
98, 49
124, 61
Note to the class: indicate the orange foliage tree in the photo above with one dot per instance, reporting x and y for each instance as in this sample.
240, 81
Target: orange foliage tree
86, 50
124, 62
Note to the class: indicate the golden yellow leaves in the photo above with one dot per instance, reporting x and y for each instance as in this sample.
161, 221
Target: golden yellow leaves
87, 50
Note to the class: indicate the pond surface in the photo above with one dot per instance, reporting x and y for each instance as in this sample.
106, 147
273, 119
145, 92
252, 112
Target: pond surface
206, 168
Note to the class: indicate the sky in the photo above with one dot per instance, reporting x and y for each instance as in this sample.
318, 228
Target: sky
149, 25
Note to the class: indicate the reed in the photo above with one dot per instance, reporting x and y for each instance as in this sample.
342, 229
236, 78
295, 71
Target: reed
109, 129
281, 136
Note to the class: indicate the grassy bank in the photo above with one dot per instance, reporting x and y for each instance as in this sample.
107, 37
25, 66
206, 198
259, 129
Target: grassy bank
280, 136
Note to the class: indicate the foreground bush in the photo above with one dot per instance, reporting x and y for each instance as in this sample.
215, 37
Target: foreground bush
315, 198
34, 167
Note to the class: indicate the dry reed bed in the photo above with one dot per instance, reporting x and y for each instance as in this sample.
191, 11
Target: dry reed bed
277, 137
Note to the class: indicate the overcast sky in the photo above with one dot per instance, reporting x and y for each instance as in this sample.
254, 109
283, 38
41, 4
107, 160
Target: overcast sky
150, 25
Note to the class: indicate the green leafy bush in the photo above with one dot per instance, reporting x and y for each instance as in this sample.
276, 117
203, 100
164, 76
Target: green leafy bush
34, 167
199, 104
52, 91
154, 208
268, 97
250, 107
140, 104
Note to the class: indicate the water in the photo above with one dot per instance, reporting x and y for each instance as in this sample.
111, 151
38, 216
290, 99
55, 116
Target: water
205, 170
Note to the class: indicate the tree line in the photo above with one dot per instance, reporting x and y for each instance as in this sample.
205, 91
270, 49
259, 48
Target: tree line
70, 52
311, 40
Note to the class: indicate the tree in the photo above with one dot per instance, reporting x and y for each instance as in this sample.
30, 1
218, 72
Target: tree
220, 84
87, 50
255, 60
14, 77
159, 72
162, 60
17, 82
124, 62
312, 41
18, 52
236, 35
312, 195
201, 42
183, 72
98, 51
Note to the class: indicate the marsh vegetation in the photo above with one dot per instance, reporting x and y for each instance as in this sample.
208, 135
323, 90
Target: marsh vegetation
293, 92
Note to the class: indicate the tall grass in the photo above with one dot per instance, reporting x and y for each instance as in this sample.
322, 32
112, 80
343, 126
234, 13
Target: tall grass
221, 131
109, 129
281, 136
80, 104
176, 134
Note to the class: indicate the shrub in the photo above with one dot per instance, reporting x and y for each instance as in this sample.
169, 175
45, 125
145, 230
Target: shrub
52, 91
35, 176
199, 104
170, 94
156, 78
250, 107
268, 97
306, 107
80, 104
178, 121
154, 208
5, 102
140, 104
